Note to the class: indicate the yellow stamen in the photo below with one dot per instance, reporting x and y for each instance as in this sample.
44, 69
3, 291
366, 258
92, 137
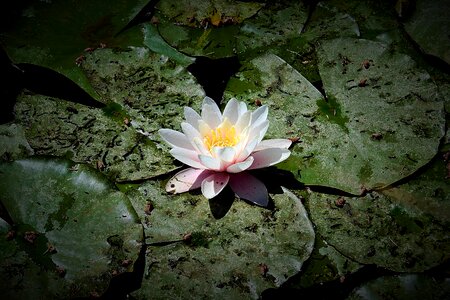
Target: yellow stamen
223, 136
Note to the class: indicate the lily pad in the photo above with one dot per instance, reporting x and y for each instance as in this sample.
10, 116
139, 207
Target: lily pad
429, 26
404, 228
403, 287
238, 256
71, 229
363, 135
146, 92
54, 34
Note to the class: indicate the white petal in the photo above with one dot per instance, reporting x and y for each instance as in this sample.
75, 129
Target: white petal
211, 113
243, 122
231, 111
191, 116
250, 188
200, 146
241, 166
259, 115
209, 162
269, 157
248, 149
273, 143
214, 184
189, 131
225, 154
188, 179
175, 138
187, 157
203, 128
242, 108
259, 130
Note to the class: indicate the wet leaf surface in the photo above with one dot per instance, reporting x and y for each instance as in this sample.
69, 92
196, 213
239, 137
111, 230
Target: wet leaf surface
145, 92
245, 251
71, 230
403, 228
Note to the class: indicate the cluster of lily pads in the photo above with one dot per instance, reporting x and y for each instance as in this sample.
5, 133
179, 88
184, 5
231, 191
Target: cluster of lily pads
362, 200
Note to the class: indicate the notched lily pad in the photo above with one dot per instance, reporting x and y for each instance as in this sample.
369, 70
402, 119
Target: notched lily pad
71, 230
247, 251
146, 91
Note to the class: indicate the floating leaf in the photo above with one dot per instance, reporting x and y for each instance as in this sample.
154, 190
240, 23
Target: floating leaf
146, 92
376, 126
72, 229
404, 228
239, 255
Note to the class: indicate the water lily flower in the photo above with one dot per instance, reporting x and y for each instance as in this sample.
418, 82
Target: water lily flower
221, 148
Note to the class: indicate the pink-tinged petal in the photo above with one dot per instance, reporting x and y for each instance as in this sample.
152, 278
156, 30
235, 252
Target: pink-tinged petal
243, 122
273, 143
268, 157
187, 157
259, 130
250, 188
191, 116
211, 113
241, 166
225, 154
186, 180
259, 115
209, 162
214, 184
175, 138
231, 111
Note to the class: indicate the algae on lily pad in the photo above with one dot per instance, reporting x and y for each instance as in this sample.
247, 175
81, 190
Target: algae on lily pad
54, 34
145, 91
239, 255
393, 233
71, 229
13, 144
381, 121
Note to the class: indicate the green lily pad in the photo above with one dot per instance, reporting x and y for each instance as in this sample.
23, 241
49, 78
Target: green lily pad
403, 287
54, 34
72, 229
404, 228
238, 256
429, 26
146, 92
364, 135
13, 144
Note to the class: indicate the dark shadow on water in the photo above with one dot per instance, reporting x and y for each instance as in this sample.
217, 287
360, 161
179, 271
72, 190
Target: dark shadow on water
213, 74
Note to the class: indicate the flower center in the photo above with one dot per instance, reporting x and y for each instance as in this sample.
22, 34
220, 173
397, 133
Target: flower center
223, 136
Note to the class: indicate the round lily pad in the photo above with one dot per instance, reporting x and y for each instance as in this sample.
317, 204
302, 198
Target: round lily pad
237, 256
375, 127
70, 230
146, 92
